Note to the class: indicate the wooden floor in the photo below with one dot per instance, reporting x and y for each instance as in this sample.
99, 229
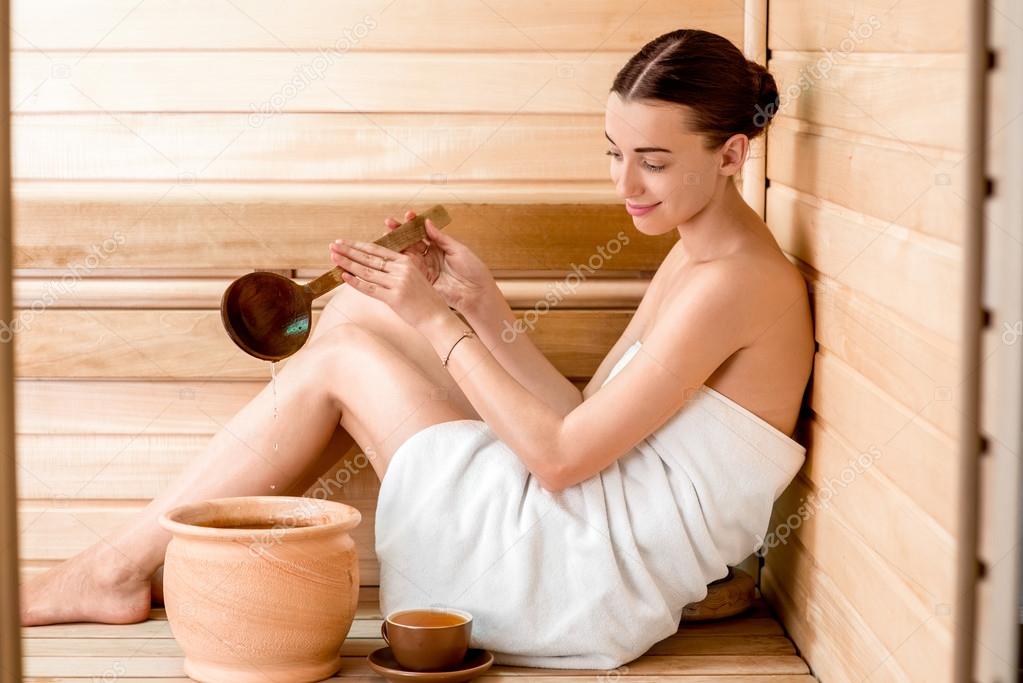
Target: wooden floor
750, 647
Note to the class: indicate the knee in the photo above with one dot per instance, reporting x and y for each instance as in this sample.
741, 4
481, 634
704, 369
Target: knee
333, 359
340, 342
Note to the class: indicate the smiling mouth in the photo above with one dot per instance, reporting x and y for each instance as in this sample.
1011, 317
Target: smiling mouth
637, 206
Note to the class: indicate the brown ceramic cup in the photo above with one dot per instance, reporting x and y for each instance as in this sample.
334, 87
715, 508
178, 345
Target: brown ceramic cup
428, 639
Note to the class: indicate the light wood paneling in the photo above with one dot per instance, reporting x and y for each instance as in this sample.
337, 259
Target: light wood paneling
917, 457
310, 147
910, 630
167, 226
265, 84
500, 25
915, 367
915, 187
190, 292
191, 344
906, 26
911, 543
865, 94
872, 257
866, 196
811, 608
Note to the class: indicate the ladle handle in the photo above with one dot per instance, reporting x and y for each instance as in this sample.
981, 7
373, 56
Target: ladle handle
400, 238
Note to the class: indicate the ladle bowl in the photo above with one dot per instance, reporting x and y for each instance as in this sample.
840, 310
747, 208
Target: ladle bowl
269, 316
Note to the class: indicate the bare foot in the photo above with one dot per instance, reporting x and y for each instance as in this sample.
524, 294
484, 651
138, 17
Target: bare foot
97, 585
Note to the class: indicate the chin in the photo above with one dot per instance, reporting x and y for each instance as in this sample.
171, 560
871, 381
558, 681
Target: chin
648, 226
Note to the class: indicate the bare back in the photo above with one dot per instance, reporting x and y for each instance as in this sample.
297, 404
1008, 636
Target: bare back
769, 375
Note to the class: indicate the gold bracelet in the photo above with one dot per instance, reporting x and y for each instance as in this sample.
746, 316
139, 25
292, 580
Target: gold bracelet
467, 333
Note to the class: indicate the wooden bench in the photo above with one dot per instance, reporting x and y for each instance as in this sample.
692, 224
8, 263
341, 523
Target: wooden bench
732, 650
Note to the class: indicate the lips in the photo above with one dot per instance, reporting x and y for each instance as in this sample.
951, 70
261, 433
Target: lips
637, 210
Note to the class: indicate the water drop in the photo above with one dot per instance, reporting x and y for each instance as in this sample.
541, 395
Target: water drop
273, 375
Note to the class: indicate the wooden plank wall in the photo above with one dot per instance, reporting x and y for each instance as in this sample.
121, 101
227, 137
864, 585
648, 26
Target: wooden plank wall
163, 148
865, 193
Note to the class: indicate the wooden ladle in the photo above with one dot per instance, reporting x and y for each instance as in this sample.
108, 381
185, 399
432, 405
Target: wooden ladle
269, 316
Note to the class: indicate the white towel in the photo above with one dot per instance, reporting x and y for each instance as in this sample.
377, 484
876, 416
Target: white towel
593, 576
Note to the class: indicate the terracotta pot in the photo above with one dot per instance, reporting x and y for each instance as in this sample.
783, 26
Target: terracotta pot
261, 588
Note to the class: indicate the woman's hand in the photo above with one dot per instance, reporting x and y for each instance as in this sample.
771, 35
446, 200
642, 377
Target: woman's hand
391, 277
456, 272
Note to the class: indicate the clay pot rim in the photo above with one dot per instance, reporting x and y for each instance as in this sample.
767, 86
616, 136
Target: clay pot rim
343, 518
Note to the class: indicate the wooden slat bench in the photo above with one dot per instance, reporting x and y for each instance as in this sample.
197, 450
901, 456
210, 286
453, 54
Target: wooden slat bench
751, 646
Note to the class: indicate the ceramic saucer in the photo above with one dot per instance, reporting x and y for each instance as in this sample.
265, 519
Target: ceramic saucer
475, 663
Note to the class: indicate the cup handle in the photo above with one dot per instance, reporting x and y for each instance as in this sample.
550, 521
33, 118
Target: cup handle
383, 632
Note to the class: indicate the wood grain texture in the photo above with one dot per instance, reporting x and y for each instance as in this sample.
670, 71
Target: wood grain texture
237, 226
866, 195
187, 148
872, 257
587, 26
192, 344
912, 186
866, 26
265, 84
191, 292
869, 93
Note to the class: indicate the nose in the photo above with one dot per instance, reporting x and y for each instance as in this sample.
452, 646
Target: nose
626, 184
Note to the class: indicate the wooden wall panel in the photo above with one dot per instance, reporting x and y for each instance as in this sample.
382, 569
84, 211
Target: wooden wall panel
310, 147
238, 226
863, 94
866, 194
916, 187
913, 632
408, 25
192, 344
867, 26
258, 83
163, 148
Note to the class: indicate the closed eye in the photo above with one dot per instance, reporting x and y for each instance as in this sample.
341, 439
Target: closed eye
648, 166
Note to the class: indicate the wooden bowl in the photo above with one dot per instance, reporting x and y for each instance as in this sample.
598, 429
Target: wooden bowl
726, 597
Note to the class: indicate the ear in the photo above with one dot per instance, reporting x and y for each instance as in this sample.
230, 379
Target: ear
733, 154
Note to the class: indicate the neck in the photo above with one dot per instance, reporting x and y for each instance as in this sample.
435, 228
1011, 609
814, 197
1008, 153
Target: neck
715, 230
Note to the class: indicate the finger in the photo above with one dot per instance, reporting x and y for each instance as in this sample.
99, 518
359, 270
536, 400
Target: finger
374, 261
391, 223
365, 273
367, 253
367, 288
409, 215
434, 235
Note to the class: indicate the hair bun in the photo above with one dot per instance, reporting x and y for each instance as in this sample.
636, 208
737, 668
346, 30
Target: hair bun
765, 91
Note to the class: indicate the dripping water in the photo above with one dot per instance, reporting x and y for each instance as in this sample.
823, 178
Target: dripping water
273, 375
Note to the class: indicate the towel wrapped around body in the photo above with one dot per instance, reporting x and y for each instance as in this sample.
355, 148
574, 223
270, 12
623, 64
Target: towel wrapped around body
593, 576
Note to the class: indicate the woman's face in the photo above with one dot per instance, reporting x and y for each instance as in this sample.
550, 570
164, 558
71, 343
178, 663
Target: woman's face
656, 163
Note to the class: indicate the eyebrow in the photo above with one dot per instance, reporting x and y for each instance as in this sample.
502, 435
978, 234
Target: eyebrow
640, 150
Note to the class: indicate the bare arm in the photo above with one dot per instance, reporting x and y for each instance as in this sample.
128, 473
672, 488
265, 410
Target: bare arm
697, 334
493, 321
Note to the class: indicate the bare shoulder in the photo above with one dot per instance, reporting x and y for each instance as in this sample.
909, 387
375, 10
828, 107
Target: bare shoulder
756, 286
768, 374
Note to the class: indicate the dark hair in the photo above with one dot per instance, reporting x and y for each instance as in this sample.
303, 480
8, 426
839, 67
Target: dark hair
726, 93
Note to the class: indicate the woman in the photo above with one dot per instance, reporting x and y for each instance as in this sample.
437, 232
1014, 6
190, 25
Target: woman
575, 526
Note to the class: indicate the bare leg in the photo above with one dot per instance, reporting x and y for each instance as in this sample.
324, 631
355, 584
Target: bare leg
346, 376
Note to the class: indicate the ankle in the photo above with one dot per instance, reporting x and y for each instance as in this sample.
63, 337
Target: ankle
111, 566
